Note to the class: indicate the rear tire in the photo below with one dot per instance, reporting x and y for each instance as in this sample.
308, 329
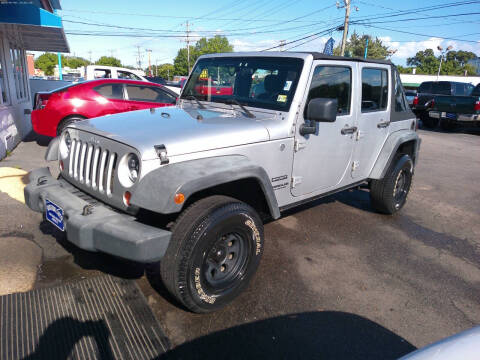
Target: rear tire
389, 194
447, 125
427, 121
67, 121
214, 252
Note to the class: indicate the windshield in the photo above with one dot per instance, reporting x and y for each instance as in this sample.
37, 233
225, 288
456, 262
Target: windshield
264, 82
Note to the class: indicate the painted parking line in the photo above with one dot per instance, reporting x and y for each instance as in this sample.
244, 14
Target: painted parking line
12, 182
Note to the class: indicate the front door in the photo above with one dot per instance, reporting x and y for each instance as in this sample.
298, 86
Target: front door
322, 160
373, 117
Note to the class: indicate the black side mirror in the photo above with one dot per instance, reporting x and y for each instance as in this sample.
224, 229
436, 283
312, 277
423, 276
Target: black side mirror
322, 110
319, 110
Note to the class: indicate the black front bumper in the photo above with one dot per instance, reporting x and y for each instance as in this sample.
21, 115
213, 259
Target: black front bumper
101, 229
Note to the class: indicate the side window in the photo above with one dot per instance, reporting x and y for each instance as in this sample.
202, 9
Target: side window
102, 74
127, 75
110, 91
374, 89
149, 94
333, 82
400, 101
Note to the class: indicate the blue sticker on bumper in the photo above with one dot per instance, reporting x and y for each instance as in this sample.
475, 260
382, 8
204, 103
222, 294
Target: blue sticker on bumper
54, 214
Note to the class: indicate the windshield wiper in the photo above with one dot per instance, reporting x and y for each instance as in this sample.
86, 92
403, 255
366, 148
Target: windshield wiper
235, 102
191, 97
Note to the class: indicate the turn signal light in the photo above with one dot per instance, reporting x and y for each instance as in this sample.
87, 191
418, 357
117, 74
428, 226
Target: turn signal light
179, 198
126, 197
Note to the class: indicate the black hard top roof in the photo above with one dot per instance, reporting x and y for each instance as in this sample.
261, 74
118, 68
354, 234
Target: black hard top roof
320, 56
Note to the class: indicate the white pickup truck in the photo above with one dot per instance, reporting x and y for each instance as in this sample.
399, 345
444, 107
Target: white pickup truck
94, 72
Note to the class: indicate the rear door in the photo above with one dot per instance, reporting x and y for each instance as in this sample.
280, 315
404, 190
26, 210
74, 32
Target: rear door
111, 101
373, 117
147, 96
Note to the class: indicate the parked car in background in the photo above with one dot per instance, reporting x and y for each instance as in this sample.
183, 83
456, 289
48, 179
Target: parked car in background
93, 72
156, 79
427, 90
58, 108
453, 110
410, 95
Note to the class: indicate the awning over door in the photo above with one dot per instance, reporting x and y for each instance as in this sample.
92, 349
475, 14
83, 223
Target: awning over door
39, 29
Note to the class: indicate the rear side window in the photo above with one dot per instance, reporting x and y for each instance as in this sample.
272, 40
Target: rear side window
374, 89
149, 94
110, 91
425, 87
102, 74
476, 91
127, 75
332, 82
400, 100
463, 89
442, 88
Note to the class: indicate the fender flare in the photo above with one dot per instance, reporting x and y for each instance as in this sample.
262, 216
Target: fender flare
52, 150
157, 189
390, 147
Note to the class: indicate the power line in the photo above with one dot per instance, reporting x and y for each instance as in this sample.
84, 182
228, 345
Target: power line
424, 35
323, 32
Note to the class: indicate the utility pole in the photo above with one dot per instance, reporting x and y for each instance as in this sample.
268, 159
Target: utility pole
156, 67
111, 52
282, 44
90, 55
345, 26
188, 47
149, 51
139, 62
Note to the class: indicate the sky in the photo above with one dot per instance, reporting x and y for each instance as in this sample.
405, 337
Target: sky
126, 29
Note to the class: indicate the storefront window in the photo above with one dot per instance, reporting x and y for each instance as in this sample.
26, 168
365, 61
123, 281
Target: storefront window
3, 82
19, 74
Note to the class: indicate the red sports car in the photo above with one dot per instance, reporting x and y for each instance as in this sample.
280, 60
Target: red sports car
56, 109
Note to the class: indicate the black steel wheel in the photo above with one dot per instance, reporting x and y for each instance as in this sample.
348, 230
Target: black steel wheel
215, 250
389, 195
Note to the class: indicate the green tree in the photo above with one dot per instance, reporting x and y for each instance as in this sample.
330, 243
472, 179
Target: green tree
108, 61
46, 62
356, 47
164, 71
425, 61
74, 62
454, 62
217, 44
404, 70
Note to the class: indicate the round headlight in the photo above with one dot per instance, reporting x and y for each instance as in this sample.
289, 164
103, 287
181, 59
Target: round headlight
133, 167
68, 140
65, 145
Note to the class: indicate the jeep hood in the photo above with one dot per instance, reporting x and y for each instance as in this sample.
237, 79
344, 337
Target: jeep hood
181, 131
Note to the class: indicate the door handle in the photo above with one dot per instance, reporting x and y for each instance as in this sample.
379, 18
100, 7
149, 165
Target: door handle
348, 130
383, 124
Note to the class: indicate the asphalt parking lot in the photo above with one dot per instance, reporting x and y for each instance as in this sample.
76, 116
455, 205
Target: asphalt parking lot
336, 278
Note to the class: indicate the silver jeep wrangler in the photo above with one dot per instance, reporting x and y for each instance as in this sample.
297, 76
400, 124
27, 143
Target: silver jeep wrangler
186, 188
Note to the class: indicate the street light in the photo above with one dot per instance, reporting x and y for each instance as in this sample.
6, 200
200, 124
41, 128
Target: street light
442, 54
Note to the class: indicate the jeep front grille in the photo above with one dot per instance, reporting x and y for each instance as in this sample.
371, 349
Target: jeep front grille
92, 166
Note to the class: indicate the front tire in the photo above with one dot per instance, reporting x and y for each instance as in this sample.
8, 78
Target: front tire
214, 252
389, 194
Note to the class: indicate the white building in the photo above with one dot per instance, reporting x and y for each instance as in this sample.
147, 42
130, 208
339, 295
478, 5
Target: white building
24, 25
412, 81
